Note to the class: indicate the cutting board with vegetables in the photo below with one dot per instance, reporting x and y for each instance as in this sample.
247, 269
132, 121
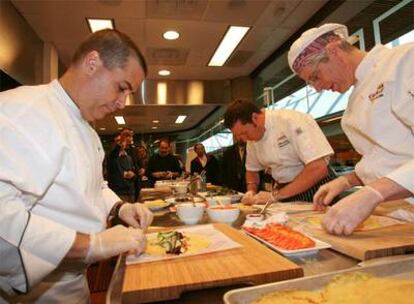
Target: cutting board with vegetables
379, 237
252, 263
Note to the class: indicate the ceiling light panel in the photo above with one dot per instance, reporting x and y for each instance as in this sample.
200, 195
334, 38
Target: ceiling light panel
171, 35
120, 120
100, 24
228, 44
180, 119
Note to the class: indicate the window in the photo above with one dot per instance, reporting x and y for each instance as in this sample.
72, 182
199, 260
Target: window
220, 140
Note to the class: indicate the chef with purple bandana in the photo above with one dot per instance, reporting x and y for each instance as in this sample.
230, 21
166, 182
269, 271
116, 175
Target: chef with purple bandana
379, 119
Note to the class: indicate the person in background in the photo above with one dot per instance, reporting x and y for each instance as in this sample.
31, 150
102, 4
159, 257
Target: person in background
143, 159
378, 120
233, 167
54, 203
163, 165
207, 163
289, 142
121, 169
131, 150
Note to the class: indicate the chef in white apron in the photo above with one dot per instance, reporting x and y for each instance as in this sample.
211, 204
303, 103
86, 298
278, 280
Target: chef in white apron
54, 203
288, 142
379, 119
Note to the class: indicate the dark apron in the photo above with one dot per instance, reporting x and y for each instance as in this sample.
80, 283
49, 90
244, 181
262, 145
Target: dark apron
307, 196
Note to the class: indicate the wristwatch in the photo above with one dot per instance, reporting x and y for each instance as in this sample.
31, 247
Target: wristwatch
115, 210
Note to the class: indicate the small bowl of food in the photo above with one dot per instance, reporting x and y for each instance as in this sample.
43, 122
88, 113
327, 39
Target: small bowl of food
181, 188
223, 199
223, 213
255, 217
190, 213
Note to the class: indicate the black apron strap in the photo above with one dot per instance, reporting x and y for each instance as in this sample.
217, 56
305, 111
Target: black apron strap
307, 196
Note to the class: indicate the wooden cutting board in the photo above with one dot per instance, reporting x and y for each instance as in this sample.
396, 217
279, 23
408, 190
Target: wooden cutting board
165, 280
365, 245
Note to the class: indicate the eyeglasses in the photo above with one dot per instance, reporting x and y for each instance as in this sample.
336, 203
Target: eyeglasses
314, 77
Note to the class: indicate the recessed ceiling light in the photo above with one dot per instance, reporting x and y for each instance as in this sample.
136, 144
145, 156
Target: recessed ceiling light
154, 127
120, 120
226, 47
100, 24
156, 121
180, 119
171, 35
164, 72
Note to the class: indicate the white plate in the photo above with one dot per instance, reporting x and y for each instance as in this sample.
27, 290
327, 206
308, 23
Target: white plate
171, 200
160, 207
292, 253
155, 205
235, 198
288, 207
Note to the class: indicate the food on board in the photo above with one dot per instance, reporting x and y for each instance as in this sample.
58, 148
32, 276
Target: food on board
175, 243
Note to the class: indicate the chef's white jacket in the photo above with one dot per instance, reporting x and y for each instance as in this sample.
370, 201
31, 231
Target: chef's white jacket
51, 183
291, 140
379, 119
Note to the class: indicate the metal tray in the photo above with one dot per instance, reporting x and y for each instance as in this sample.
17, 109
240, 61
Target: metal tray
403, 268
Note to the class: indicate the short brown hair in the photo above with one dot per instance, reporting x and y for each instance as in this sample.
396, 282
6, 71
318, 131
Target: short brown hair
166, 140
113, 47
241, 110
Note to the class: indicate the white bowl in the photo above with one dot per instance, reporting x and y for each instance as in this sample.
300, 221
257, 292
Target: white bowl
190, 213
181, 189
211, 201
223, 199
223, 214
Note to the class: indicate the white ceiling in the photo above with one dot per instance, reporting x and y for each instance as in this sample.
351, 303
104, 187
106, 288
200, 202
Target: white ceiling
201, 23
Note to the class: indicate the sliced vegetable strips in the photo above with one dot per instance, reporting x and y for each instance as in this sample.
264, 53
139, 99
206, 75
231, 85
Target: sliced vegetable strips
282, 236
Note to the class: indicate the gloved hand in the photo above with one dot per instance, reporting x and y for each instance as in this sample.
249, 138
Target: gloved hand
345, 216
262, 197
114, 241
247, 198
136, 215
326, 193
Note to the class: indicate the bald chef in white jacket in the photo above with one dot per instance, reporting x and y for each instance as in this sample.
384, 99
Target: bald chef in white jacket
54, 203
379, 119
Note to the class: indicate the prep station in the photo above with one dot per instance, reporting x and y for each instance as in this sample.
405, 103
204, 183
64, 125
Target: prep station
206, 277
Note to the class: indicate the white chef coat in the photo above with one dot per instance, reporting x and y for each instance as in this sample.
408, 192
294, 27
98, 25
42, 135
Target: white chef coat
379, 119
291, 140
51, 186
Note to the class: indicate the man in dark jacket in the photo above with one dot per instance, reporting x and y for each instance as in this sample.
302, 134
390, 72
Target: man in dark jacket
204, 162
121, 168
233, 167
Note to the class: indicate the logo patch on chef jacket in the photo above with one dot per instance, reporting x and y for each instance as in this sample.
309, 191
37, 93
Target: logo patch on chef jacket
282, 141
378, 93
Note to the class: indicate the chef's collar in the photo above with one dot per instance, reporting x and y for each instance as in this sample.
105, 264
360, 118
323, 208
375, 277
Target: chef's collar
369, 62
65, 97
267, 124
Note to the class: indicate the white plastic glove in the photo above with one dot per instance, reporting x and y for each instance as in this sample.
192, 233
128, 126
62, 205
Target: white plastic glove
247, 198
262, 197
345, 216
114, 241
136, 215
326, 193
